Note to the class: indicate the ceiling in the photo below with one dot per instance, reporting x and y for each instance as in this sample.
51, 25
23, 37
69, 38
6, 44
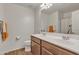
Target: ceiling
63, 7
32, 5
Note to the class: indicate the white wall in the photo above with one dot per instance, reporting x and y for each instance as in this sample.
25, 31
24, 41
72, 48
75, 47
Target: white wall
52, 19
1, 15
41, 21
75, 22
37, 21
55, 19
44, 21
1, 11
20, 22
65, 22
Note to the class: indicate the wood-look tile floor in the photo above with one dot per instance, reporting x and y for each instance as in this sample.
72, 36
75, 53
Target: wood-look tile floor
19, 52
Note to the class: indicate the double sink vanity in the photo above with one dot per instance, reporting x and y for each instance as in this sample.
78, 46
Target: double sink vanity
54, 44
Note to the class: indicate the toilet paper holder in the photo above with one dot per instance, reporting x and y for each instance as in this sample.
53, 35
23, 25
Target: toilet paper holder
18, 37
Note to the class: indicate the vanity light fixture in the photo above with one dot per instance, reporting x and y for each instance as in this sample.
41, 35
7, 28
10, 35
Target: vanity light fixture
45, 5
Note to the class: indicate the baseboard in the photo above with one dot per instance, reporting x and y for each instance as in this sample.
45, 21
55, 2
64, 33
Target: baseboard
14, 51
2, 54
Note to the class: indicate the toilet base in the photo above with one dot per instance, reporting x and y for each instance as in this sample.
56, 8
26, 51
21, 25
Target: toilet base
27, 49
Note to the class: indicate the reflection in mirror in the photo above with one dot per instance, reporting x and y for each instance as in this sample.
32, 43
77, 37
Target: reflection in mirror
66, 23
64, 17
70, 22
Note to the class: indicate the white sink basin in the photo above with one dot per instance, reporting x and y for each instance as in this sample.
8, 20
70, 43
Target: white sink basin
74, 41
54, 37
60, 39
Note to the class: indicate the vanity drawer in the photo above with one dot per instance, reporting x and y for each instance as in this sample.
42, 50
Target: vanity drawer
35, 39
55, 50
46, 52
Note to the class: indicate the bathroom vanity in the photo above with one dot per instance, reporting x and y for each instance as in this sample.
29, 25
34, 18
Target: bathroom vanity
47, 45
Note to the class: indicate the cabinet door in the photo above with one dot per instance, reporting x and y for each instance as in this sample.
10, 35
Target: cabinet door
46, 52
55, 50
35, 39
35, 48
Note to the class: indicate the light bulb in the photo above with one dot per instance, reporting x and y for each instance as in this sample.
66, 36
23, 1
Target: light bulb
45, 5
42, 5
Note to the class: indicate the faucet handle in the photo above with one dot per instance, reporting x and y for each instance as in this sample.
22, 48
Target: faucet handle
42, 30
65, 37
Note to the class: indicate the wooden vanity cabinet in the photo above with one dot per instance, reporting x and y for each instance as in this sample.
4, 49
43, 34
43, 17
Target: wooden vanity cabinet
35, 46
41, 47
55, 49
46, 52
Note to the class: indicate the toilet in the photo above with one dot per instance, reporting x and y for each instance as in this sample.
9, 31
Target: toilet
27, 45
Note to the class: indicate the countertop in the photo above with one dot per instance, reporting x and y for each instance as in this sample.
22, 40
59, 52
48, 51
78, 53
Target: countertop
56, 38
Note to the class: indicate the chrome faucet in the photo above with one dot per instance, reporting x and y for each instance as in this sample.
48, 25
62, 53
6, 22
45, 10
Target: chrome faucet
43, 31
65, 37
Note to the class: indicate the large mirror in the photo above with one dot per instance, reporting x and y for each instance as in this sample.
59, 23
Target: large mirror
64, 17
